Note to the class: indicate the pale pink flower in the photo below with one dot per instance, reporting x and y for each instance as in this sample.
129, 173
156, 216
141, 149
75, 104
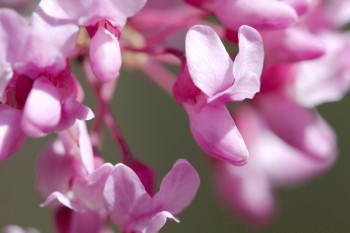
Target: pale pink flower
274, 162
134, 210
36, 79
104, 20
209, 80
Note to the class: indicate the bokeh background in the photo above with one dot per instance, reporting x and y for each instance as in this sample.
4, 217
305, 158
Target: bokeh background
157, 131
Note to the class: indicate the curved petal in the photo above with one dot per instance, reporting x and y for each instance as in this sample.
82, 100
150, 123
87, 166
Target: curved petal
55, 169
158, 221
71, 111
255, 13
216, 133
299, 127
178, 187
327, 78
283, 164
208, 62
11, 135
292, 44
105, 57
125, 196
57, 198
42, 109
89, 191
248, 65
62, 35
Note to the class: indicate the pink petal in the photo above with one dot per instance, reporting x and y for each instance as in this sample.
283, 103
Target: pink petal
301, 128
89, 191
255, 13
57, 198
89, 12
292, 44
57, 32
42, 109
87, 221
105, 55
126, 197
219, 138
246, 192
55, 169
71, 111
11, 135
76, 141
158, 221
178, 187
283, 164
208, 63
248, 65
300, 6
327, 78
26, 50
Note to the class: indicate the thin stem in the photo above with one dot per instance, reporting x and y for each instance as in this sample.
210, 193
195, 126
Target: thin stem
105, 113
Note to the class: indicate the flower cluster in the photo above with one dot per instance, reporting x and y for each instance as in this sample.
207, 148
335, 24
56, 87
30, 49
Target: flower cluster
279, 59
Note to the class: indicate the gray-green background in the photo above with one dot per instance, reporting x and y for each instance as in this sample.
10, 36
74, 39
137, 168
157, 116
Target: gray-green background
157, 131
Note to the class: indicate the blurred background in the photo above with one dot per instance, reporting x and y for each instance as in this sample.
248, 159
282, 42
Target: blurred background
157, 131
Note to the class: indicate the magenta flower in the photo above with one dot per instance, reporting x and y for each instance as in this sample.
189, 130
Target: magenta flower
209, 80
134, 210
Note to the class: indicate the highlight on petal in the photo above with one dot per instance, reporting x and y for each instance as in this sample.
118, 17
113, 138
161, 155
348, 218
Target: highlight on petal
89, 191
309, 133
11, 135
158, 221
208, 62
219, 137
42, 109
328, 78
125, 196
248, 64
178, 187
255, 13
57, 198
292, 44
105, 57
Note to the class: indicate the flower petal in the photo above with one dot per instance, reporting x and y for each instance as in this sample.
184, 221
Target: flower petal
105, 57
208, 62
216, 133
11, 135
178, 187
125, 196
42, 109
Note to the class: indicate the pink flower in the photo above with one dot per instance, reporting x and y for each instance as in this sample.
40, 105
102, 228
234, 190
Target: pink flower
104, 21
209, 80
275, 161
36, 80
68, 175
134, 210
